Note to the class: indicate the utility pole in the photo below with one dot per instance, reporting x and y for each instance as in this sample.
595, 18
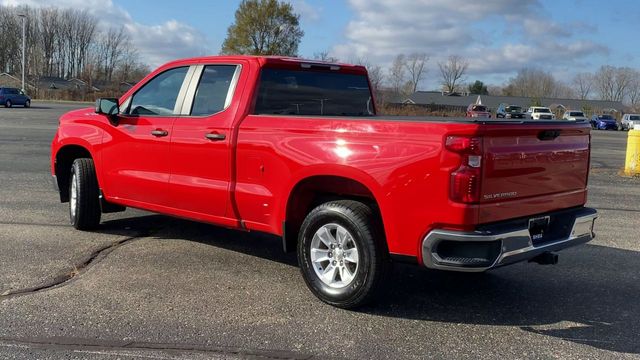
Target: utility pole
24, 44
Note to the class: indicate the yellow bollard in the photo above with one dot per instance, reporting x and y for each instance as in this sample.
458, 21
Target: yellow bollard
632, 163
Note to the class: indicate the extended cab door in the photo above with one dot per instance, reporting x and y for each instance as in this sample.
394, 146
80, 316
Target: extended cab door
200, 154
136, 151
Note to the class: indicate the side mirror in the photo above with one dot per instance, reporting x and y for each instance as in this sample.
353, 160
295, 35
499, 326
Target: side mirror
109, 107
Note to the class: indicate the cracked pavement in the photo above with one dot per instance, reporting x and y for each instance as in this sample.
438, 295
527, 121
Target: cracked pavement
150, 286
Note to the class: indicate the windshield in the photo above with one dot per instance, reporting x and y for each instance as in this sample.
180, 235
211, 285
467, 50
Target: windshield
542, 110
306, 92
605, 117
478, 108
576, 113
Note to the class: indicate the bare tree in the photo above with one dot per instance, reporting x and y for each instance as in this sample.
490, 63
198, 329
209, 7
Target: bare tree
376, 76
84, 32
452, 72
49, 19
398, 76
65, 43
111, 47
324, 56
534, 83
612, 82
633, 92
415, 65
582, 83
9, 42
565, 91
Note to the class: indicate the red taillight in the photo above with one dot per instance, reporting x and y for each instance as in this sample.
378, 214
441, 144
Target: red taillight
465, 180
464, 145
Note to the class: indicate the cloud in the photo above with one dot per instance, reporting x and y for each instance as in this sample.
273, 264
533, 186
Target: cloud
306, 11
511, 57
497, 37
156, 43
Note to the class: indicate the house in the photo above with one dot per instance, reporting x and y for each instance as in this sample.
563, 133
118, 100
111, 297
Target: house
58, 83
8, 80
82, 85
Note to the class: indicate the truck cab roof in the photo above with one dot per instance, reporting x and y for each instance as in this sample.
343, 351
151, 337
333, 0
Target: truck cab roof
274, 61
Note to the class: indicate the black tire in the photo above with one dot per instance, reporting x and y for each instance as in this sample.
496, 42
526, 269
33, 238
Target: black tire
84, 208
8, 104
373, 257
27, 104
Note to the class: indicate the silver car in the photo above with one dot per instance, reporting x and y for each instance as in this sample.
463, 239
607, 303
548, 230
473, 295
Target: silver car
629, 120
574, 115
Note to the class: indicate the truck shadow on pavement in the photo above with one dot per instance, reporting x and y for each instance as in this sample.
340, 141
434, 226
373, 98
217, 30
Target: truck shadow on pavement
590, 297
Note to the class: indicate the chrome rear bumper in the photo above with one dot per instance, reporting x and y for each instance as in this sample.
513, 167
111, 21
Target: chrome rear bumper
483, 250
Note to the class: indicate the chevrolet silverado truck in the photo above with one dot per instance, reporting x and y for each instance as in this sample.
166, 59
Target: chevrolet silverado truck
294, 148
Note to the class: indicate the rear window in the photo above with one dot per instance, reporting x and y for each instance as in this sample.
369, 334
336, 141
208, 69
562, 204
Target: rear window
514, 108
605, 117
634, 117
576, 113
300, 92
542, 110
478, 108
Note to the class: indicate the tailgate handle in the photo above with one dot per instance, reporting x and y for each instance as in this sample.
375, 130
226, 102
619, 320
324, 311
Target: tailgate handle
548, 134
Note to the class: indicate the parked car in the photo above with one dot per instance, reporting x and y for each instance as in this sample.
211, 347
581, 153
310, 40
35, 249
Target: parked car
295, 148
574, 115
629, 120
507, 111
12, 96
478, 111
604, 122
540, 113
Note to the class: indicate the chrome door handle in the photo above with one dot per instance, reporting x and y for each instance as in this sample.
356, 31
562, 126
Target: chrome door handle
215, 137
159, 133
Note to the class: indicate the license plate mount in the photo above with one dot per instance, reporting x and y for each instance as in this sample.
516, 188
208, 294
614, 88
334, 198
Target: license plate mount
538, 227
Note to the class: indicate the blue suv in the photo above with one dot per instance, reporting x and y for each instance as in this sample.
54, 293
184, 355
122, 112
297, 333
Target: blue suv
12, 96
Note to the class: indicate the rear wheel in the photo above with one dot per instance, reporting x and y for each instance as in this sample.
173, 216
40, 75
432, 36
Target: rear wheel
342, 254
84, 202
8, 104
27, 103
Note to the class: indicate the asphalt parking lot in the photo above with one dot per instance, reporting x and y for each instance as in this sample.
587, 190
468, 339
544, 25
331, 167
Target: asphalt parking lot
150, 286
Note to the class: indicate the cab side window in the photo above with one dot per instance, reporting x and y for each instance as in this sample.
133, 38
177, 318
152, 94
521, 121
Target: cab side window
158, 96
213, 90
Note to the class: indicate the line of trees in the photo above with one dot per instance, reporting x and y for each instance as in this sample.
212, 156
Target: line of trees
66, 43
607, 83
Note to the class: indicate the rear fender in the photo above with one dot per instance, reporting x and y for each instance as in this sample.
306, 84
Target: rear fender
338, 171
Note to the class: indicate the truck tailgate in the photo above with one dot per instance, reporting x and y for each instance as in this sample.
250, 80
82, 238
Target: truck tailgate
534, 163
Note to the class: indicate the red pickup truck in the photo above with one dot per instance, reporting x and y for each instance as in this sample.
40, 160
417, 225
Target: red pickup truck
294, 148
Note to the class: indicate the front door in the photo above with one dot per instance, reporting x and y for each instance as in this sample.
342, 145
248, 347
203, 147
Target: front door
200, 145
136, 151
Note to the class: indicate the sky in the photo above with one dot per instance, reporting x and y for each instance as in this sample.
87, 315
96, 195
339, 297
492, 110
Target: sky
497, 37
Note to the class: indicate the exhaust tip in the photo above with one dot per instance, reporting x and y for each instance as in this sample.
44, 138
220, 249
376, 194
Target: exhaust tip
547, 258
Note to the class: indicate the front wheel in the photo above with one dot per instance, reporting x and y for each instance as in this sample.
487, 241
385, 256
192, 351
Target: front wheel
84, 201
342, 253
27, 104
